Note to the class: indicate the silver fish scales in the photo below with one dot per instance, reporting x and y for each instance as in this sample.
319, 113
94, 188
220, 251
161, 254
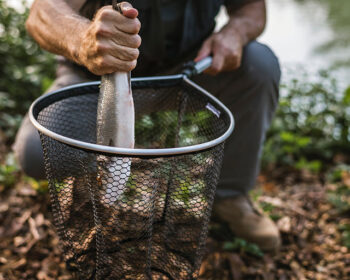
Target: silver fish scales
115, 127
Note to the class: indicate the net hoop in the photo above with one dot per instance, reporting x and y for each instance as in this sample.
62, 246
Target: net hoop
134, 152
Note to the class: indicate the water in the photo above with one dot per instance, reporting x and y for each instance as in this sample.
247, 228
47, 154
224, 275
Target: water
312, 34
294, 32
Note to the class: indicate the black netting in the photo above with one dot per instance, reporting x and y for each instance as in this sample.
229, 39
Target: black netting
128, 217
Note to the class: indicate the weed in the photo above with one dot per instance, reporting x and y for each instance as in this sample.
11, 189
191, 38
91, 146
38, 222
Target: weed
243, 246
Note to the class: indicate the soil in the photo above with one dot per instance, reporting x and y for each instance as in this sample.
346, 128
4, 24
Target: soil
312, 242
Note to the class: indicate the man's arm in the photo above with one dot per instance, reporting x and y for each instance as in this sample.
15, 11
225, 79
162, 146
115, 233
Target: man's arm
107, 44
245, 24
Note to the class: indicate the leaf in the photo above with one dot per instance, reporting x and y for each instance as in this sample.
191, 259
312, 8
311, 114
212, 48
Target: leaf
303, 141
313, 166
244, 246
287, 136
346, 98
345, 234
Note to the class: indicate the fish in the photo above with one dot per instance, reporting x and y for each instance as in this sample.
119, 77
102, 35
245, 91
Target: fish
116, 128
116, 113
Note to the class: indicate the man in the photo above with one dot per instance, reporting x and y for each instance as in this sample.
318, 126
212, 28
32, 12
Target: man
95, 40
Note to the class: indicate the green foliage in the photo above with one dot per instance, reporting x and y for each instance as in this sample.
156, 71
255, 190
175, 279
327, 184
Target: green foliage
25, 72
8, 172
7, 176
346, 98
131, 189
9, 122
10, 175
266, 207
337, 173
339, 198
312, 123
243, 246
311, 165
339, 194
255, 194
41, 186
161, 127
345, 230
189, 189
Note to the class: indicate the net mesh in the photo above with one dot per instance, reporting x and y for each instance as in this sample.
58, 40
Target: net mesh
129, 217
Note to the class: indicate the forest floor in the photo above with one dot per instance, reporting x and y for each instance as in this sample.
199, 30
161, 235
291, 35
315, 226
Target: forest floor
315, 233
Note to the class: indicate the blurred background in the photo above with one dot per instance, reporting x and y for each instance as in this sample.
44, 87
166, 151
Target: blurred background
305, 180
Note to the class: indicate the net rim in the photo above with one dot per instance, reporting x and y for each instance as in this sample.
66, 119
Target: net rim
135, 152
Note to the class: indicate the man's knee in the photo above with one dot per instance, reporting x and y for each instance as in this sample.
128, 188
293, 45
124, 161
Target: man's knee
27, 147
28, 151
261, 64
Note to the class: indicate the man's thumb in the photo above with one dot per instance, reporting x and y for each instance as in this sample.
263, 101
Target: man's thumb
128, 10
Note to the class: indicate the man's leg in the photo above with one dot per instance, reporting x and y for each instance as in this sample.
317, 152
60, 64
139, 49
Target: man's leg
251, 93
27, 146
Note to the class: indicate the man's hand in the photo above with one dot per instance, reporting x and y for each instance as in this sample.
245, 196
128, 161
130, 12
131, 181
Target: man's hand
226, 47
246, 23
111, 41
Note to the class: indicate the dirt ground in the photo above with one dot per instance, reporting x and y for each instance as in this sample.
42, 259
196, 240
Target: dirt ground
310, 230
310, 226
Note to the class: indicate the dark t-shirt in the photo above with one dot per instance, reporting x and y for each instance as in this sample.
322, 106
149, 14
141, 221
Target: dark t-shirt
172, 16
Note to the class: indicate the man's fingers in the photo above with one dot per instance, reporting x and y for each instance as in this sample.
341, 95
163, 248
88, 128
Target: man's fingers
126, 24
124, 53
218, 59
111, 43
110, 64
128, 10
204, 51
127, 40
217, 64
130, 26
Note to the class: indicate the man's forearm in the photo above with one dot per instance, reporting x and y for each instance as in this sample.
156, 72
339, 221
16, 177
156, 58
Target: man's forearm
248, 20
56, 27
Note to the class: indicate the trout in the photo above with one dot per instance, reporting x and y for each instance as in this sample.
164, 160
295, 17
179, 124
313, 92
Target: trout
115, 127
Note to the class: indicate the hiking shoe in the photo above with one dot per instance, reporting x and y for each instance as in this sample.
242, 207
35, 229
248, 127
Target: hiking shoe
247, 221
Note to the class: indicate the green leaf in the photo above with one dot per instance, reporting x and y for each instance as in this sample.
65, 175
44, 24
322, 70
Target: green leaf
314, 165
345, 229
346, 98
243, 246
303, 141
287, 136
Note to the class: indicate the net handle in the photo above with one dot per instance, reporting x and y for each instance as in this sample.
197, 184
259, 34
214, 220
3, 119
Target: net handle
116, 6
195, 68
203, 65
